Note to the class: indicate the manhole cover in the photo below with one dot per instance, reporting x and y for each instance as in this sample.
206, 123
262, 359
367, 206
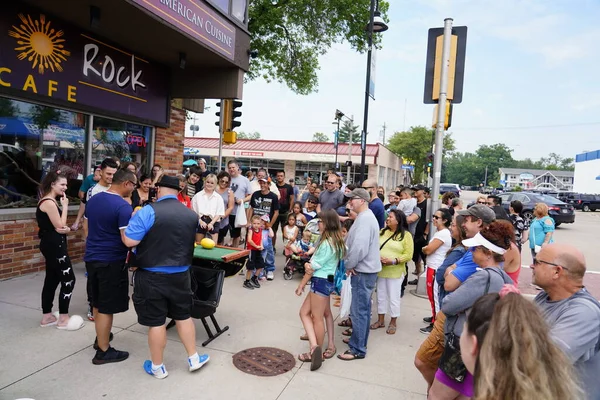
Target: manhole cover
264, 361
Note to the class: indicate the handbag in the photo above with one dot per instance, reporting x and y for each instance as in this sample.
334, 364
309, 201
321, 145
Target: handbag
450, 361
240, 216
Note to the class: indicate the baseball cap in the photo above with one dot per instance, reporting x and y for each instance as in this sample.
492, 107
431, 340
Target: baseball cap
266, 218
263, 179
202, 160
358, 193
421, 187
313, 199
480, 211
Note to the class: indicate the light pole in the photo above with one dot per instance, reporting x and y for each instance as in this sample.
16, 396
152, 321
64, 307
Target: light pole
338, 116
376, 24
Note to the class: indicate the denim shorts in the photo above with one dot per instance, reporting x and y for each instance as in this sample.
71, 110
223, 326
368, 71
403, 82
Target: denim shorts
321, 286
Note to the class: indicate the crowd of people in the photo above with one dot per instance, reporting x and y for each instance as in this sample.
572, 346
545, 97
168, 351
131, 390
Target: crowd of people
484, 340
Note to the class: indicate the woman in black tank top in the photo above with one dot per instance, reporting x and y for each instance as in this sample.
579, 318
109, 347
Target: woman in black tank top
52, 222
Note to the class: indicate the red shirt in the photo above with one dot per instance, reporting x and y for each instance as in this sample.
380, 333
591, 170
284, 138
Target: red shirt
185, 200
256, 238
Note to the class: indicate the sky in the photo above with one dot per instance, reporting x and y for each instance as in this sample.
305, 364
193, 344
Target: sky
531, 80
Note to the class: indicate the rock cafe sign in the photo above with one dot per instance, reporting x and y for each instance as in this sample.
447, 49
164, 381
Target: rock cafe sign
41, 55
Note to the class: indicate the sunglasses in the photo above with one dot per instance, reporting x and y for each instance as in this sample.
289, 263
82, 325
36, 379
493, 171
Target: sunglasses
481, 202
331, 183
224, 181
436, 217
133, 183
367, 187
312, 201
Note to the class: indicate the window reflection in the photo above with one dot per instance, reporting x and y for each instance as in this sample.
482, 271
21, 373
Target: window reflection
238, 9
33, 140
221, 4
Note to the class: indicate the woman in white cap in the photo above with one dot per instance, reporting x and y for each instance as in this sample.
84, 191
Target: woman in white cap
452, 380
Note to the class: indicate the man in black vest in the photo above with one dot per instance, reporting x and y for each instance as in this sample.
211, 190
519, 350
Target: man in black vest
164, 233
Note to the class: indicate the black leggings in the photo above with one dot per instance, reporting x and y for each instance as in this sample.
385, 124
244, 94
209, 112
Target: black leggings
59, 270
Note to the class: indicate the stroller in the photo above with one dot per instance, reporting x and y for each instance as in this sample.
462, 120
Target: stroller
295, 262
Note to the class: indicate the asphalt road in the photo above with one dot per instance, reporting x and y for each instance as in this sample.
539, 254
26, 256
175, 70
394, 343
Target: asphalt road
582, 234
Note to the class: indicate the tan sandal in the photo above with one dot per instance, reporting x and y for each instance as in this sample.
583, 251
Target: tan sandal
377, 325
391, 330
304, 337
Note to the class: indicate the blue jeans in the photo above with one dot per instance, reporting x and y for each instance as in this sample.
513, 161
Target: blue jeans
268, 255
360, 309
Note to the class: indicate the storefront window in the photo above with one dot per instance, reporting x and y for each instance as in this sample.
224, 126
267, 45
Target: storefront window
223, 5
33, 140
126, 141
238, 10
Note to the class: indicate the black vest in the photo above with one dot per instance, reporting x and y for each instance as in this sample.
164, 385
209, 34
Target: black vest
170, 241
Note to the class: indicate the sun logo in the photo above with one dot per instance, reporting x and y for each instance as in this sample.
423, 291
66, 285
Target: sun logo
39, 44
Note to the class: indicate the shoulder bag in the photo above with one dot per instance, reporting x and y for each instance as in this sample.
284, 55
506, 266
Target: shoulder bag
450, 361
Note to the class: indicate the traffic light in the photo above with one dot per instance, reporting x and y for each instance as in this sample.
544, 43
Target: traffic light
447, 116
227, 122
429, 160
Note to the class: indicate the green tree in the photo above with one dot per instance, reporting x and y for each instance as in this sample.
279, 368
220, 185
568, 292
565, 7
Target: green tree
462, 168
290, 35
244, 135
320, 137
493, 157
346, 128
414, 144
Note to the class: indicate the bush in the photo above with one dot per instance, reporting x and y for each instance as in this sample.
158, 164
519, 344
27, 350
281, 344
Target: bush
518, 189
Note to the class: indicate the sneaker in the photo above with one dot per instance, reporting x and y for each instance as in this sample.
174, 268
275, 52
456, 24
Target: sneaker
262, 278
196, 362
254, 282
111, 355
110, 338
160, 373
427, 330
90, 314
248, 285
413, 282
270, 275
428, 320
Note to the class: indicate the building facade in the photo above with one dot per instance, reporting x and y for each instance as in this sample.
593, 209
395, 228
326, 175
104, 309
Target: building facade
301, 159
84, 80
587, 173
529, 179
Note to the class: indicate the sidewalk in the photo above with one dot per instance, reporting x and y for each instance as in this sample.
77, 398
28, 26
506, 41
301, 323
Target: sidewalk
45, 363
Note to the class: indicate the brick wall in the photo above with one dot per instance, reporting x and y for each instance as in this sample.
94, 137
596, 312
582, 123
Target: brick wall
19, 247
169, 143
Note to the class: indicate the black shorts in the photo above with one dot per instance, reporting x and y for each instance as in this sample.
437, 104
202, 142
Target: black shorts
222, 233
281, 220
157, 296
255, 260
419, 243
206, 219
108, 286
234, 232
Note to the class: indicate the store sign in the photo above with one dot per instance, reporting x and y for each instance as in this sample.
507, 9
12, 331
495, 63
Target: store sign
197, 20
42, 55
248, 153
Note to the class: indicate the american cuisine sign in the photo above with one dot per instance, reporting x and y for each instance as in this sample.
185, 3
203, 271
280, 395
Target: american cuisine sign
43, 56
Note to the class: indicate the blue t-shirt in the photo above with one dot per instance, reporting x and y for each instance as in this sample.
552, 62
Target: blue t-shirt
106, 213
453, 258
465, 267
140, 225
87, 183
376, 206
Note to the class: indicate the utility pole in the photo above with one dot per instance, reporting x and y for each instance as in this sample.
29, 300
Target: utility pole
349, 173
384, 126
441, 118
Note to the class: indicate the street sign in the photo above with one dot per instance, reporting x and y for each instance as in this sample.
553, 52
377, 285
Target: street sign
335, 138
408, 167
456, 69
502, 182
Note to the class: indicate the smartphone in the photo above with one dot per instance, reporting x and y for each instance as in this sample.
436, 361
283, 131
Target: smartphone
152, 194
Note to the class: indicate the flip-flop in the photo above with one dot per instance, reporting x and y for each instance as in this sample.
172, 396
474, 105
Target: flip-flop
391, 330
55, 313
347, 323
346, 340
71, 329
347, 332
329, 353
377, 325
304, 337
316, 359
347, 353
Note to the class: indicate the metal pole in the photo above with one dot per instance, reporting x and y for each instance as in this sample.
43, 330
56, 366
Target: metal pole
485, 179
220, 159
363, 137
439, 131
349, 173
337, 143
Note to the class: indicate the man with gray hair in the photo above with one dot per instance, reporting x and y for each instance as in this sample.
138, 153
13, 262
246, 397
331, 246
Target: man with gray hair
362, 264
571, 312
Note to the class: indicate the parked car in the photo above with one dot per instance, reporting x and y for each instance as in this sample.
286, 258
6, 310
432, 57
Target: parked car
584, 202
450, 187
560, 212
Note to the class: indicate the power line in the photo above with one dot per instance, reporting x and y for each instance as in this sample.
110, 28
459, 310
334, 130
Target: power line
529, 127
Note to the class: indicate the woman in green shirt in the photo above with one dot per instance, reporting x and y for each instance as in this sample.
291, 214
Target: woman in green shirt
396, 248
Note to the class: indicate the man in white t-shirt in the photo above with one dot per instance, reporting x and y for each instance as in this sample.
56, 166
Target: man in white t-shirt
240, 185
436, 252
107, 170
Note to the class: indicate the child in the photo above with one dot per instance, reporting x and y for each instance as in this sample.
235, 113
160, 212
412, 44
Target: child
408, 202
300, 218
268, 254
255, 263
330, 250
346, 225
303, 247
290, 233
